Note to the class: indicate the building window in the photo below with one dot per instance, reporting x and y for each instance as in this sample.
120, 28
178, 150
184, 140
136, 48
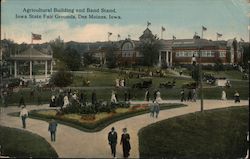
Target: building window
222, 53
207, 53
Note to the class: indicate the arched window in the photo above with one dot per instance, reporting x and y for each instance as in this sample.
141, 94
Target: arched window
127, 49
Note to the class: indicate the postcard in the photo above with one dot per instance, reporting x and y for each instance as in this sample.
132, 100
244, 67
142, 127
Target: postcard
124, 79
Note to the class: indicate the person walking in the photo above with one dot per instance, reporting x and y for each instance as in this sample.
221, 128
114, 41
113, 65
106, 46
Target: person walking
24, 115
125, 143
112, 138
21, 101
125, 96
147, 95
182, 95
151, 108
158, 96
52, 130
93, 97
156, 109
223, 95
65, 101
194, 95
236, 97
113, 97
189, 98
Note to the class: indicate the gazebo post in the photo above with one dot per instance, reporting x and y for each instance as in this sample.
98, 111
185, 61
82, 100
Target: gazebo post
46, 68
15, 69
51, 67
30, 69
10, 68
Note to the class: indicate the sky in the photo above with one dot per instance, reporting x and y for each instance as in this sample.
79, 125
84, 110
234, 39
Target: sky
181, 18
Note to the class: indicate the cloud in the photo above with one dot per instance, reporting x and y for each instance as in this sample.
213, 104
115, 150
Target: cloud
93, 32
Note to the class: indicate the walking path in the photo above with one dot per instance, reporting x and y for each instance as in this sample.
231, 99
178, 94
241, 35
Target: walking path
74, 143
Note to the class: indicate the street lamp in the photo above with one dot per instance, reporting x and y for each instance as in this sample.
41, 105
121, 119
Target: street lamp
200, 78
199, 75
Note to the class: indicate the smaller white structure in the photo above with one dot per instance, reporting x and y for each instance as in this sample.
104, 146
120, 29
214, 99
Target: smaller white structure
221, 82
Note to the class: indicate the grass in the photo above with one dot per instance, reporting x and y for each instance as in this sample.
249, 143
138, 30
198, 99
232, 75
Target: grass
219, 133
98, 125
229, 74
136, 94
107, 79
19, 143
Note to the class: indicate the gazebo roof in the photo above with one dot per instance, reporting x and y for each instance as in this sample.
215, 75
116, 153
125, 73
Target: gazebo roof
31, 54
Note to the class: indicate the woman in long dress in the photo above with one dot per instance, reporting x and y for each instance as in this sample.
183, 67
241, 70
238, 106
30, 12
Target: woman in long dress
113, 97
158, 96
125, 143
65, 101
223, 95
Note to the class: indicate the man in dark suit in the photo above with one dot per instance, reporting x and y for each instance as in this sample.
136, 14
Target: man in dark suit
112, 137
52, 129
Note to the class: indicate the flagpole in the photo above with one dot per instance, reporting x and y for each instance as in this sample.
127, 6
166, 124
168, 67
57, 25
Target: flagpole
31, 39
201, 32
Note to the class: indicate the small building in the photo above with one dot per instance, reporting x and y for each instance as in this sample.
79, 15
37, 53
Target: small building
29, 58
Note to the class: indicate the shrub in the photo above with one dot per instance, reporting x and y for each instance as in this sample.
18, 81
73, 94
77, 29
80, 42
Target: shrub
62, 78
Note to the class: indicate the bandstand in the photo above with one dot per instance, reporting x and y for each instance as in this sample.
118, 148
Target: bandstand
31, 56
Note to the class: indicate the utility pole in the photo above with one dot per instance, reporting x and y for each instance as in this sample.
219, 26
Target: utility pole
200, 75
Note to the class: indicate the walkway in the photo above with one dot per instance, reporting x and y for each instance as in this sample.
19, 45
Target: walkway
74, 143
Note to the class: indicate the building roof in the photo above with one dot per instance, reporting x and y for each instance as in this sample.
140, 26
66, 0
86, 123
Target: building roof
185, 43
31, 54
147, 34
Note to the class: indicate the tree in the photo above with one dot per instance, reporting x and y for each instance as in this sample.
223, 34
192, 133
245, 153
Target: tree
72, 59
111, 58
88, 59
218, 65
246, 57
195, 73
62, 78
150, 51
57, 46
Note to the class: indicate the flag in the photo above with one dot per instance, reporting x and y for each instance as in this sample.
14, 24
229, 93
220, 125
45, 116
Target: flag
109, 33
241, 40
174, 37
204, 28
118, 35
195, 33
148, 23
163, 29
36, 36
128, 36
219, 35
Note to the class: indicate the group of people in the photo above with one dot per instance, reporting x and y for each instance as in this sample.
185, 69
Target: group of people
156, 96
119, 82
154, 109
112, 139
236, 96
191, 96
52, 124
63, 99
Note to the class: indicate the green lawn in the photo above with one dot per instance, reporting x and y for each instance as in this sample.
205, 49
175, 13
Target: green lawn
217, 133
19, 143
96, 78
137, 94
232, 74
107, 79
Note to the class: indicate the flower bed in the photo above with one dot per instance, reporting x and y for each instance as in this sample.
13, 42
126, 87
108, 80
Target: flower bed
98, 121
